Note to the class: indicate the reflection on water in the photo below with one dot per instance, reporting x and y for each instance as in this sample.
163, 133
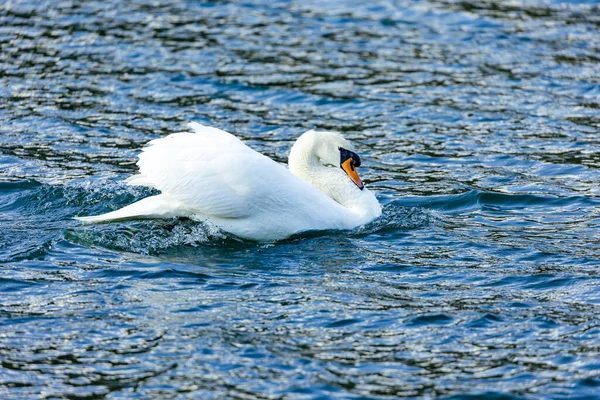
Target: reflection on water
478, 126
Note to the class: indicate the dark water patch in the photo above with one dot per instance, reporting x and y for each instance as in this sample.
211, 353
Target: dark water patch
162, 274
13, 285
485, 321
342, 323
424, 320
7, 187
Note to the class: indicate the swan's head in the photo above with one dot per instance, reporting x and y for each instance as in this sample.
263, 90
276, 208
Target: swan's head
349, 161
333, 150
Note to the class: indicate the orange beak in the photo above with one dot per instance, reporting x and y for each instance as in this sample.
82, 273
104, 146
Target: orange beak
348, 168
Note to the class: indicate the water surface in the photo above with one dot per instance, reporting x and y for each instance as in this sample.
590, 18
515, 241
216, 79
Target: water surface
477, 123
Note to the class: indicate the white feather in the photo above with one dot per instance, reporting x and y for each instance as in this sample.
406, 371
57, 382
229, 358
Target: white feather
210, 174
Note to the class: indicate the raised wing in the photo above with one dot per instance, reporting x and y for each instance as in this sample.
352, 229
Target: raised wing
211, 171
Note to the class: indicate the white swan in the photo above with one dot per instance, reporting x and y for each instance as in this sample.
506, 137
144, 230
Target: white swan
209, 174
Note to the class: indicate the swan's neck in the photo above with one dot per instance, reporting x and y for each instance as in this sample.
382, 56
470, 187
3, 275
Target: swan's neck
305, 164
310, 168
331, 180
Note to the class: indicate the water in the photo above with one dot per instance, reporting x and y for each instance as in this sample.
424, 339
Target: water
477, 123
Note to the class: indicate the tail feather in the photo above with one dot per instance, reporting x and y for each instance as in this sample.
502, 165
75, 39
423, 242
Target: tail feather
159, 206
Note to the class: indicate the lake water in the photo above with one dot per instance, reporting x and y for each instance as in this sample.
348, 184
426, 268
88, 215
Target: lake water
478, 125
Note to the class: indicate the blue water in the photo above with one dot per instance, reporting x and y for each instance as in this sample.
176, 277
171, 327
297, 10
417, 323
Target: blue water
478, 125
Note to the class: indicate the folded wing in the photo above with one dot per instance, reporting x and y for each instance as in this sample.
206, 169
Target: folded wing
211, 171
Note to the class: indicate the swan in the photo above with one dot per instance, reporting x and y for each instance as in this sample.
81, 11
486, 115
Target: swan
209, 174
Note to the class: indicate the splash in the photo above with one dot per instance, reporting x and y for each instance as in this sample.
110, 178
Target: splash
151, 237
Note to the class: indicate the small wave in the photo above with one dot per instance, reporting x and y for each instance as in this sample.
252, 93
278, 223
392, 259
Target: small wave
396, 217
11, 186
29, 225
476, 199
32, 198
100, 197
